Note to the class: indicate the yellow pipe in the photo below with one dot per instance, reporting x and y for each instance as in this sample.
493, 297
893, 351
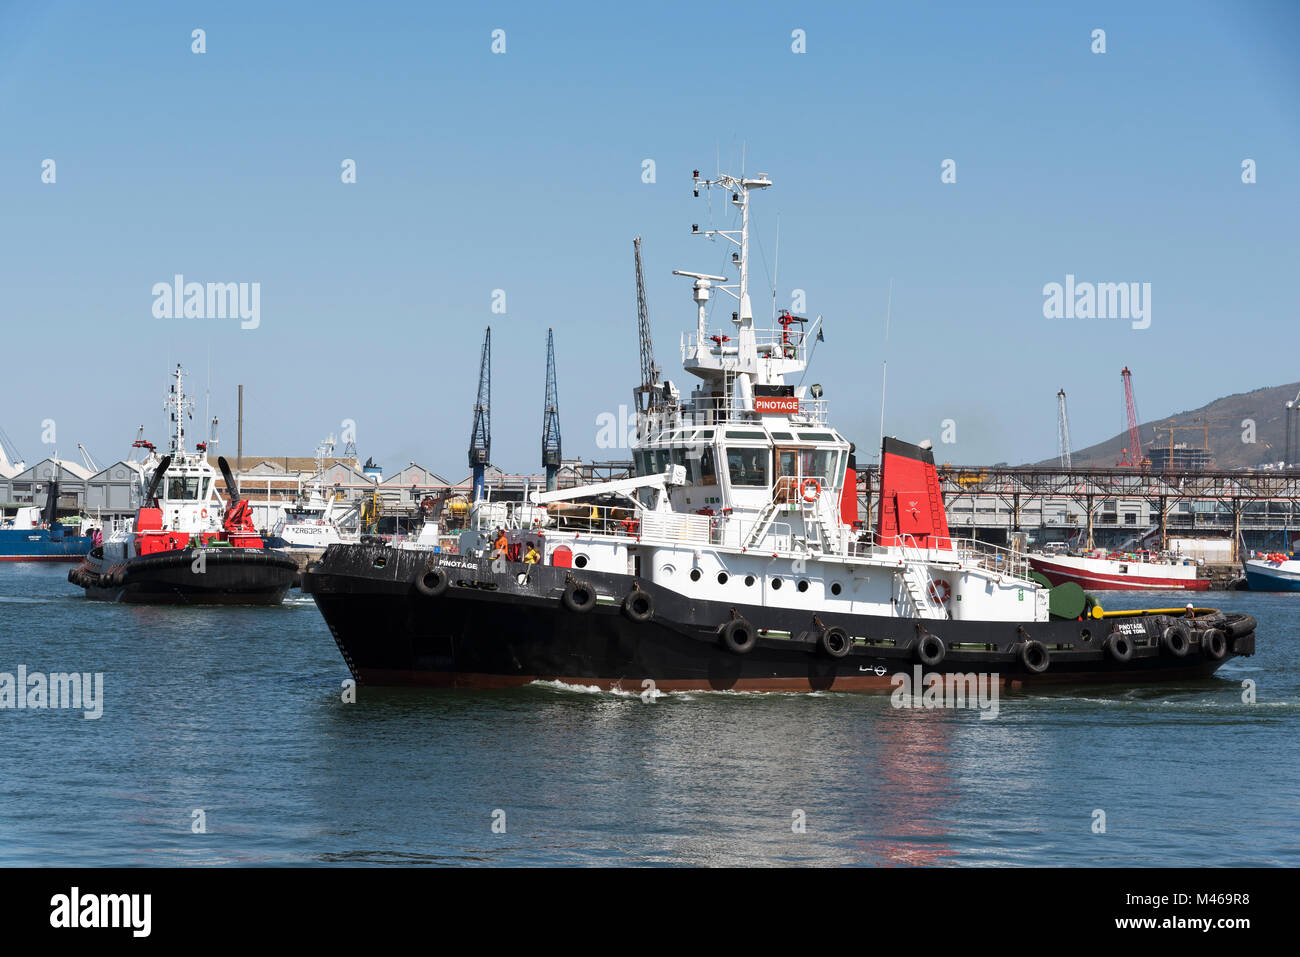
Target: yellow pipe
1158, 611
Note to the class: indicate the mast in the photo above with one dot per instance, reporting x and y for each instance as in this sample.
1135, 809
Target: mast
178, 405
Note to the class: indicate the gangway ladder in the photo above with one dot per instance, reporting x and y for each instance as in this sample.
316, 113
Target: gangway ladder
768, 515
813, 516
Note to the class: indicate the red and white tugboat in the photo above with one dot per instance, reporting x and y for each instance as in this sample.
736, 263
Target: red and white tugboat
184, 547
734, 559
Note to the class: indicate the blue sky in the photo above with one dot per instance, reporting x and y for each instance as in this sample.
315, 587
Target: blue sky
523, 172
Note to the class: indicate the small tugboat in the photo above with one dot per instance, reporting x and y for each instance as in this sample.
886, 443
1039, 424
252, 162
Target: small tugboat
735, 560
35, 534
1100, 570
183, 546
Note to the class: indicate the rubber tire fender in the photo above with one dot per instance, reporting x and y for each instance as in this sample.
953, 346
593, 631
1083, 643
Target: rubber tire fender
738, 636
1176, 641
1119, 647
579, 597
834, 642
432, 582
930, 650
1214, 644
638, 605
1242, 626
1034, 657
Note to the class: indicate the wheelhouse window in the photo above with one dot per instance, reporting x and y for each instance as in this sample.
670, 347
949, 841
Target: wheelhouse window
821, 465
182, 488
747, 468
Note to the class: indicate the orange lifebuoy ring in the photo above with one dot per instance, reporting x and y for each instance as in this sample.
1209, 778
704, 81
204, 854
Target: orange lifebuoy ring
338, 478
810, 484
940, 591
204, 513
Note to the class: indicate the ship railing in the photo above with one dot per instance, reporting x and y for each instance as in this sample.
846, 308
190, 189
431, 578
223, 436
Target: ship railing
730, 410
625, 521
969, 551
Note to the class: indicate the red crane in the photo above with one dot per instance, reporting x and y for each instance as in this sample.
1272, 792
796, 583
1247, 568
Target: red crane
1132, 456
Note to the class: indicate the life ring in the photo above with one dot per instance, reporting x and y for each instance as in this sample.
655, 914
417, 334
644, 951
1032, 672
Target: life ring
810, 484
338, 478
940, 591
204, 513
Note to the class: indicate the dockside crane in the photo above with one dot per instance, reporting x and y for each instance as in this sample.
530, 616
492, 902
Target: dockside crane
648, 394
1291, 447
480, 437
551, 419
1132, 456
1062, 430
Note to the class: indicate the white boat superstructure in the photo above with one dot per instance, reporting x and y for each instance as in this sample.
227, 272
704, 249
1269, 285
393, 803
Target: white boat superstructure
744, 491
186, 492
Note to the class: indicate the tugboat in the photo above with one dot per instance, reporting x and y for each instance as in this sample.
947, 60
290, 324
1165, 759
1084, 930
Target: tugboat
735, 559
183, 546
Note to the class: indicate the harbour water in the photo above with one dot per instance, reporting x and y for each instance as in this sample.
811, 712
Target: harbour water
237, 713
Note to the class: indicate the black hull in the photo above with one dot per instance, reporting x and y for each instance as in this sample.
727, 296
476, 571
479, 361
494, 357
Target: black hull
489, 630
229, 576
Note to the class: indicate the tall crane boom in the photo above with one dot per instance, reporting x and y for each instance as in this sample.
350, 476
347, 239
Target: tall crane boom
646, 392
480, 437
1133, 454
1291, 447
551, 419
1062, 430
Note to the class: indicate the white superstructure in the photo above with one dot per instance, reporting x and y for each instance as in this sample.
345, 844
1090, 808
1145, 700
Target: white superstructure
740, 486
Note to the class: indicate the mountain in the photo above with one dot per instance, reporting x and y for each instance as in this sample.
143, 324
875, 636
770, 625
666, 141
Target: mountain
1267, 407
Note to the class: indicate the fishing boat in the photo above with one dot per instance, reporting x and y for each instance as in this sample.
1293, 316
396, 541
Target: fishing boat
35, 534
735, 558
1121, 571
185, 546
1275, 571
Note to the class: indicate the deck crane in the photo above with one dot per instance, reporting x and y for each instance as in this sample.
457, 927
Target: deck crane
648, 395
1062, 430
551, 419
1132, 456
480, 437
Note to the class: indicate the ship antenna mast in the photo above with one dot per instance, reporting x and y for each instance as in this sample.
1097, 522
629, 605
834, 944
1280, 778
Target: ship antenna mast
179, 405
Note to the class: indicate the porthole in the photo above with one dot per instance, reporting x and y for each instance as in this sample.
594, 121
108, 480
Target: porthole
776, 583
749, 580
1085, 634
580, 561
695, 574
667, 571
836, 589
722, 578
803, 585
